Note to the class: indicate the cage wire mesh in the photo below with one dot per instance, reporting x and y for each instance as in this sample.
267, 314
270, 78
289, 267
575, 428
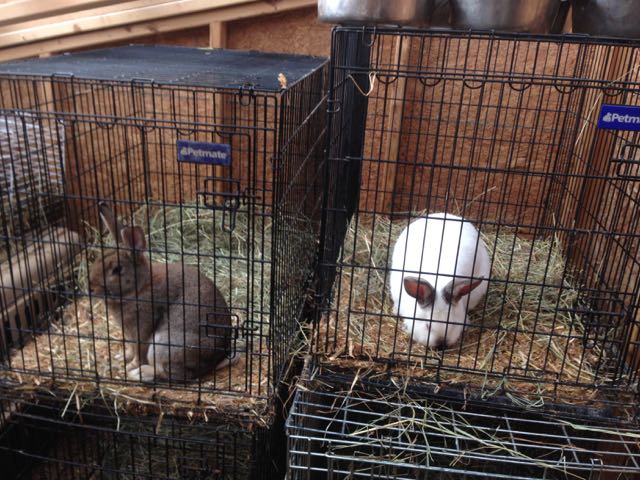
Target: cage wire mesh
45, 438
501, 130
344, 429
217, 161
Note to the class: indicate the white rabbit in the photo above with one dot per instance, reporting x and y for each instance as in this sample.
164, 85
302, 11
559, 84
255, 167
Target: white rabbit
439, 271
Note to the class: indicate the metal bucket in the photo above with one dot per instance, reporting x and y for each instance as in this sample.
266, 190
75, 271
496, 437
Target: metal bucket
533, 16
613, 18
396, 12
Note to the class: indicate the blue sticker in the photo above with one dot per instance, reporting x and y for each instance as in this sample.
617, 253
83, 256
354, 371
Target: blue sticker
619, 117
204, 152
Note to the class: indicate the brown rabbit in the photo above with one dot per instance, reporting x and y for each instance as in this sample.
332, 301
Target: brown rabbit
175, 322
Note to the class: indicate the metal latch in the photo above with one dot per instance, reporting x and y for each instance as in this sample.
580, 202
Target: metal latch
628, 162
222, 193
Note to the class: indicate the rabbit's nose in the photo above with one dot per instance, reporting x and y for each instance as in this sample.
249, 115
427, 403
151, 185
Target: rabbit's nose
437, 342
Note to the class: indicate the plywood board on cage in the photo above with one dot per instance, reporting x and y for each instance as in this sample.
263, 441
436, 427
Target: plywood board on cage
81, 351
607, 200
66, 29
527, 338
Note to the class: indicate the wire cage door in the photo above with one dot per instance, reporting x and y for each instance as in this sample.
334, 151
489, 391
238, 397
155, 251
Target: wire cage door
499, 132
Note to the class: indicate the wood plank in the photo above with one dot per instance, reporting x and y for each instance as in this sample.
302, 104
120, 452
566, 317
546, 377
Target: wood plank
24, 10
218, 39
218, 34
129, 32
395, 108
141, 11
597, 147
77, 16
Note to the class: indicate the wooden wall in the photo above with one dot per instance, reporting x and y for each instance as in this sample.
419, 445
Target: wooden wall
297, 31
432, 134
31, 27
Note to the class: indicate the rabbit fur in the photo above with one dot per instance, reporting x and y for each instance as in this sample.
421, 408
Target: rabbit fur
438, 271
175, 321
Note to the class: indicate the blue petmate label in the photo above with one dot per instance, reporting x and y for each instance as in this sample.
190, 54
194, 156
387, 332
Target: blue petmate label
204, 152
619, 117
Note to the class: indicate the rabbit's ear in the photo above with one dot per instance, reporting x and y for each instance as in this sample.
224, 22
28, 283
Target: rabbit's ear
419, 289
458, 288
109, 219
133, 237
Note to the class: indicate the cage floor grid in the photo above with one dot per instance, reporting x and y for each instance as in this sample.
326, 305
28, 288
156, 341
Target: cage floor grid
342, 431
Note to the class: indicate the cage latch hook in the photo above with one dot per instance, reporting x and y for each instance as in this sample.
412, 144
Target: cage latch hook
223, 194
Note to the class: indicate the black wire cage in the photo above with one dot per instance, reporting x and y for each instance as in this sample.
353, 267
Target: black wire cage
206, 167
503, 154
343, 429
44, 438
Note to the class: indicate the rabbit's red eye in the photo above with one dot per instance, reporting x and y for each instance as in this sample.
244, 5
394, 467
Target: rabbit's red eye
117, 270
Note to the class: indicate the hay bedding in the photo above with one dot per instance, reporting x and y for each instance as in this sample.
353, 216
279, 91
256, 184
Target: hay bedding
76, 346
527, 327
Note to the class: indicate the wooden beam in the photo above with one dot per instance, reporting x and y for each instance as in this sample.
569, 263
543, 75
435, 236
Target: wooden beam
218, 35
129, 32
24, 10
218, 39
395, 108
78, 16
108, 17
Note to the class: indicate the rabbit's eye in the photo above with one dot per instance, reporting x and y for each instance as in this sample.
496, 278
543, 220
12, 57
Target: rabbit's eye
117, 270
